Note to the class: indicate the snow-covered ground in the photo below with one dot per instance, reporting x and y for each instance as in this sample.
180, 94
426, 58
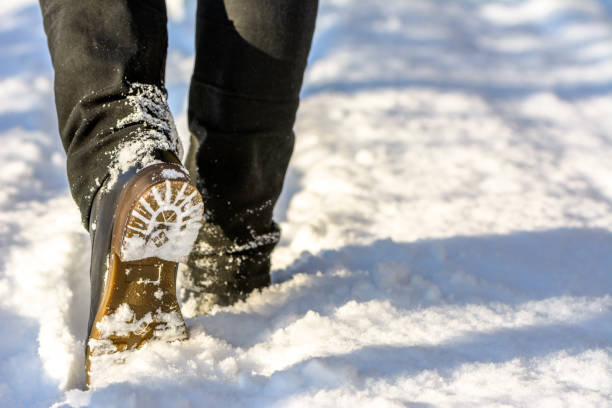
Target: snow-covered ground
447, 222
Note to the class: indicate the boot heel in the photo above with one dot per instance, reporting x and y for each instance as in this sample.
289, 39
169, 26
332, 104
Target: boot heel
163, 222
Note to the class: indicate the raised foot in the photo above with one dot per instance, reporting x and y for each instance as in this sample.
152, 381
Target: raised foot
155, 226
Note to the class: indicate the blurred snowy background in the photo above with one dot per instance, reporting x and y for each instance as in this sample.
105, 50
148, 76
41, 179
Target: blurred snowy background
447, 221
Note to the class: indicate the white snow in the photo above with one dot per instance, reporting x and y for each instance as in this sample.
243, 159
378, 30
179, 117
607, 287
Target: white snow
172, 174
155, 236
169, 327
447, 222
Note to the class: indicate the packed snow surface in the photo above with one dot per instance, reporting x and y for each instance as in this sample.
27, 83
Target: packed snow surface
447, 222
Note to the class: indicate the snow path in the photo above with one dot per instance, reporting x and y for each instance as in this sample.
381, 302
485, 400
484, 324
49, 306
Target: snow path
447, 222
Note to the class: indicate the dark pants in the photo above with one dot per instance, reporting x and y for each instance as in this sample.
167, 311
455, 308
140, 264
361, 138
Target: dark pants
109, 59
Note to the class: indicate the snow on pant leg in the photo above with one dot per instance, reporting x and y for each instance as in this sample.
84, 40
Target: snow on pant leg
250, 61
109, 60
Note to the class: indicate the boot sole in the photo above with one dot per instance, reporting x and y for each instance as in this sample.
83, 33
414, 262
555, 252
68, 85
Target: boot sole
155, 226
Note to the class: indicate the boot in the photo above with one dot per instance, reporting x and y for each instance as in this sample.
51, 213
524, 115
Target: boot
141, 227
221, 271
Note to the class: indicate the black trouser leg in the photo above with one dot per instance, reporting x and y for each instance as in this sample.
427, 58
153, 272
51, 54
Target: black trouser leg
109, 59
250, 61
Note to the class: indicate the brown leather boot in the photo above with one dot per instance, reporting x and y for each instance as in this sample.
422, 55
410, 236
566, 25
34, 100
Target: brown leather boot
141, 228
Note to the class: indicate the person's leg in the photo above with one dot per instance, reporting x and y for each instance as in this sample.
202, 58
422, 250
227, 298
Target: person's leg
109, 60
136, 200
250, 60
